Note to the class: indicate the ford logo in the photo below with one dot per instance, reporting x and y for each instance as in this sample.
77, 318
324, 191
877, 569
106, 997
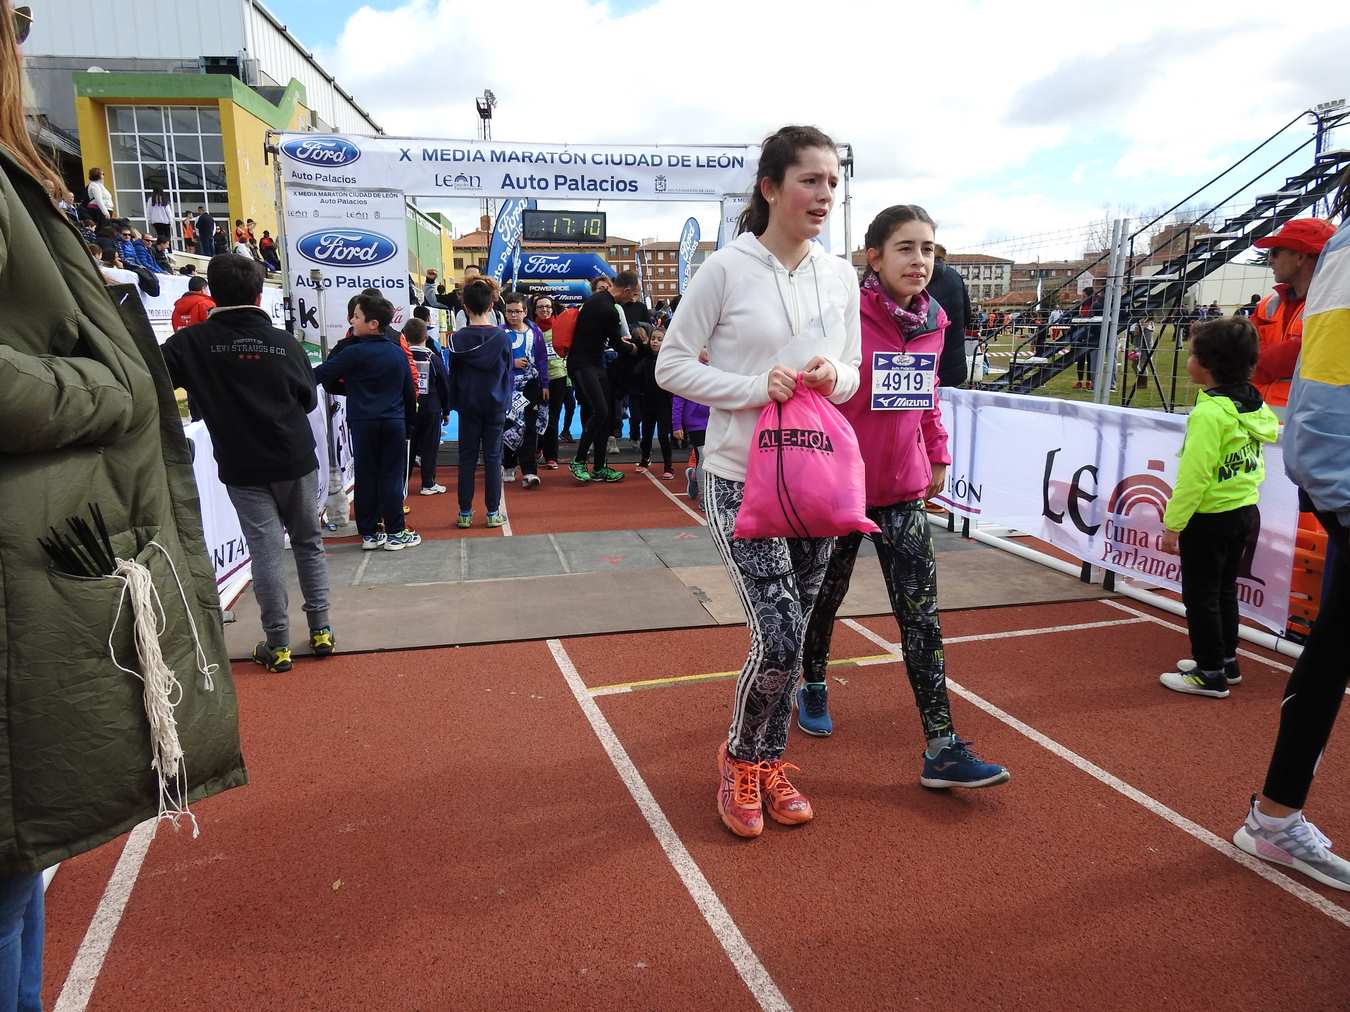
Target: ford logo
340, 247
329, 152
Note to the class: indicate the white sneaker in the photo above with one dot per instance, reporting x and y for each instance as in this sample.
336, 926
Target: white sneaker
508, 474
1300, 845
433, 490
613, 446
1187, 679
370, 544
530, 481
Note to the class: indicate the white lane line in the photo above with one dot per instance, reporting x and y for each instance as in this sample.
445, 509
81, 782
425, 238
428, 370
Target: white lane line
84, 971
675, 499
1014, 633
360, 573
733, 943
1296, 889
557, 548
1182, 629
506, 527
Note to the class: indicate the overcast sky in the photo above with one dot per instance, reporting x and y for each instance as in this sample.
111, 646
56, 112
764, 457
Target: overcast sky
1003, 119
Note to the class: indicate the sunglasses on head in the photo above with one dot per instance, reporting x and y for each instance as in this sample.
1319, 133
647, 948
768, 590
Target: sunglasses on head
23, 23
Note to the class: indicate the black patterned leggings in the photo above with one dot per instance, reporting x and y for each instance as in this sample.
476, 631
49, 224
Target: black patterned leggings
777, 580
905, 550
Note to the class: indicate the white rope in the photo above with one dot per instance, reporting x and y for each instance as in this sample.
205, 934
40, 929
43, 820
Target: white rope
162, 690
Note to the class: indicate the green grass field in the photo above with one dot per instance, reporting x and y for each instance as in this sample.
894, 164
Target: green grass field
1166, 363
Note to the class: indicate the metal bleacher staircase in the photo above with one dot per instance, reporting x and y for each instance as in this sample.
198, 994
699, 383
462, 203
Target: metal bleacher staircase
1162, 291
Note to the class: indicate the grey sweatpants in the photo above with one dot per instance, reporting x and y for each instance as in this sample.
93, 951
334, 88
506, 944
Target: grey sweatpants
267, 513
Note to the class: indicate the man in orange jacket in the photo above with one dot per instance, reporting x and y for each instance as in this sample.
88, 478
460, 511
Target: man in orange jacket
193, 305
1294, 250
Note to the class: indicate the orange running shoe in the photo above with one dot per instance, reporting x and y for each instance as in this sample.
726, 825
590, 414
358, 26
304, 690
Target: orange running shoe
786, 804
738, 799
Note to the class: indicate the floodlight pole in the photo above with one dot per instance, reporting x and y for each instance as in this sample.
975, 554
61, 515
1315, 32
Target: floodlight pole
846, 165
485, 103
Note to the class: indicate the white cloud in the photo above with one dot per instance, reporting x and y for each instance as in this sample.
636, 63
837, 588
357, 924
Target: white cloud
945, 104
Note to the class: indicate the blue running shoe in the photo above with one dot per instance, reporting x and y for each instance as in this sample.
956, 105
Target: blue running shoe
957, 766
813, 709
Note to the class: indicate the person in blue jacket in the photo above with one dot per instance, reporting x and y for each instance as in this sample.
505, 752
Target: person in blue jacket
381, 407
480, 390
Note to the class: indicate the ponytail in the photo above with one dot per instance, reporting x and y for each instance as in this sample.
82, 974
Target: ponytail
779, 153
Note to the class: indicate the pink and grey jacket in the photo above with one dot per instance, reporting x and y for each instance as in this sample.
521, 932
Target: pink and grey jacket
899, 448
688, 416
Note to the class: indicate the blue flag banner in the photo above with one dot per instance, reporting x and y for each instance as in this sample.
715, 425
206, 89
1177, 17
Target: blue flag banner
689, 237
506, 235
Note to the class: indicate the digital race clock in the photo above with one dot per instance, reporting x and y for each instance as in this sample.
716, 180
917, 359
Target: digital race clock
565, 226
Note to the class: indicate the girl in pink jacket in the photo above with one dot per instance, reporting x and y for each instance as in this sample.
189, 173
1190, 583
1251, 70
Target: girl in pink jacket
904, 447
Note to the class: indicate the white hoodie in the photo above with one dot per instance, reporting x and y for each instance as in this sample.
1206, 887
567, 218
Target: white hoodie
752, 314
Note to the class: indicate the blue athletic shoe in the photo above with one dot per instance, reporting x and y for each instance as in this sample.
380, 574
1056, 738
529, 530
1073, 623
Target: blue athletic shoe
813, 709
957, 766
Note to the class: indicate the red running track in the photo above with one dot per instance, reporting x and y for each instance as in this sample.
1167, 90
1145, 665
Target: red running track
439, 829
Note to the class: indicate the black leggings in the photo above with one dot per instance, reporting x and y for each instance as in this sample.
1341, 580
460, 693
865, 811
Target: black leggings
656, 420
592, 387
1212, 549
905, 551
557, 395
1317, 686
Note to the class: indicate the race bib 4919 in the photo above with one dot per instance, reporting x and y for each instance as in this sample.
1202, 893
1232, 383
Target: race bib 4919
902, 381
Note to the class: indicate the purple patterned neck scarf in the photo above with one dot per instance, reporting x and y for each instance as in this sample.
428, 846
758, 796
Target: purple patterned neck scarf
912, 321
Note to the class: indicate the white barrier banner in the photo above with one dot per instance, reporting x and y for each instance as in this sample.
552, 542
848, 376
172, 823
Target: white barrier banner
224, 540
172, 287
486, 168
357, 239
1094, 481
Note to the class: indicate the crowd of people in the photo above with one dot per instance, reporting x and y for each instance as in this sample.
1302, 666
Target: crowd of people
86, 422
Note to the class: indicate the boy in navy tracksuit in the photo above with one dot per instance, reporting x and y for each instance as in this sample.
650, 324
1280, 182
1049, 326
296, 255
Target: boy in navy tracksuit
480, 390
381, 406
433, 398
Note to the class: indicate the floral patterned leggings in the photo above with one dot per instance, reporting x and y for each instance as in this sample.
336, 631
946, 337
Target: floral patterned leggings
777, 580
905, 550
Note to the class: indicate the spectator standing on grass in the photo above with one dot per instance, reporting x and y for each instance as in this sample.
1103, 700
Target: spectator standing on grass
1212, 515
255, 389
1316, 448
433, 397
480, 390
381, 409
906, 457
739, 307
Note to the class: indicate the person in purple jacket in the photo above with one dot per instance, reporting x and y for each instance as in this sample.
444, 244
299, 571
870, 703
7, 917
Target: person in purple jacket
896, 417
689, 420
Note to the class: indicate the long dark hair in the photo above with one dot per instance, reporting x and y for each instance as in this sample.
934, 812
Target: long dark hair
778, 154
884, 225
158, 198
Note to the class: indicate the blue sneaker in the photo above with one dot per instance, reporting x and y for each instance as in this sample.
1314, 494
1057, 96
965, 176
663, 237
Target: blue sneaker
813, 709
957, 766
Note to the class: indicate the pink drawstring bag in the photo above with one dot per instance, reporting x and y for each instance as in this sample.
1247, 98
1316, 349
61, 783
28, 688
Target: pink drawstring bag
804, 478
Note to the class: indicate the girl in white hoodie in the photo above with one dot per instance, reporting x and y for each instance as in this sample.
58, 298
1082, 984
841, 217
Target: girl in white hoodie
768, 308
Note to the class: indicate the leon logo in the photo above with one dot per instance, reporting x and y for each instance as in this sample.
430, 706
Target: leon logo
1141, 491
346, 246
326, 152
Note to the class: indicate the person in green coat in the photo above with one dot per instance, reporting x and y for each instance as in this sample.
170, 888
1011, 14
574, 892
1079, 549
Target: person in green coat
87, 416
1212, 517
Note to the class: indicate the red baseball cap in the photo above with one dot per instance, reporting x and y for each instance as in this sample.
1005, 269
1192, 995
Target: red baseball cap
1302, 235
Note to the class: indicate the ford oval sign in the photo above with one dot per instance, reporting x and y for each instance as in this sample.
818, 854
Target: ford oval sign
325, 152
346, 247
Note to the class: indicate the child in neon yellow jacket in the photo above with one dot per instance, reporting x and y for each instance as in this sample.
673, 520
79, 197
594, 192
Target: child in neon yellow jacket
1212, 516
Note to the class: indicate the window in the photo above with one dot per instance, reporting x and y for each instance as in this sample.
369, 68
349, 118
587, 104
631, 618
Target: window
628, 251
459, 263
175, 148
